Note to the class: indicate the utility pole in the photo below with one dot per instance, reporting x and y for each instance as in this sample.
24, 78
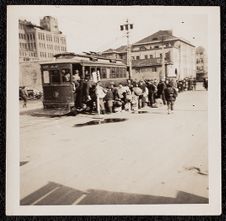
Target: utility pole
127, 27
163, 60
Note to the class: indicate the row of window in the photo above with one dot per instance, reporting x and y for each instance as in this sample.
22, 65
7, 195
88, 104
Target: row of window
50, 47
28, 36
153, 69
28, 46
41, 36
143, 48
64, 75
107, 72
46, 55
49, 37
145, 57
27, 54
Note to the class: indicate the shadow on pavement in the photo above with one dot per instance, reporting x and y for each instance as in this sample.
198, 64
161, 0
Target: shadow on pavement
57, 194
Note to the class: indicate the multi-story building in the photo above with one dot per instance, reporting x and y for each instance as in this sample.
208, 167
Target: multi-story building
159, 55
118, 53
162, 55
201, 63
40, 42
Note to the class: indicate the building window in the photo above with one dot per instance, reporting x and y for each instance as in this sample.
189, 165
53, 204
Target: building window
145, 56
151, 56
112, 74
154, 39
142, 48
137, 57
154, 69
156, 46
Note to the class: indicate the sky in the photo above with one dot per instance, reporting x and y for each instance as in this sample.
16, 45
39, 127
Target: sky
97, 28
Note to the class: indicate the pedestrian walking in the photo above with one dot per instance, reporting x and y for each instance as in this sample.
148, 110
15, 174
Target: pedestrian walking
109, 100
205, 83
194, 84
23, 95
170, 95
161, 88
100, 93
151, 92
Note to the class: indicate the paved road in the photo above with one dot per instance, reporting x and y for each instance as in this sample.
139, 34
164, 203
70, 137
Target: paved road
149, 158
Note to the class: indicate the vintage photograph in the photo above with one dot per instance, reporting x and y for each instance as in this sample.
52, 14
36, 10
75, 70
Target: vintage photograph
113, 105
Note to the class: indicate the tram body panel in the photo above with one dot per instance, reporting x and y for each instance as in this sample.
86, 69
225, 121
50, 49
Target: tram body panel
58, 96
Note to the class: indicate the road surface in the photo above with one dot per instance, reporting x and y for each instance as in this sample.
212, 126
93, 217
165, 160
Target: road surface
149, 158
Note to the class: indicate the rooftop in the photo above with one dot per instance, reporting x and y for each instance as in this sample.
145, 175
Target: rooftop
162, 35
120, 49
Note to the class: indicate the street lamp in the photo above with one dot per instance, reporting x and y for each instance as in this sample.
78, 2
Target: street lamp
127, 27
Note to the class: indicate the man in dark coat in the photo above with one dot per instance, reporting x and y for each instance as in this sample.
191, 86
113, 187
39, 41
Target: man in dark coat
170, 95
152, 90
161, 88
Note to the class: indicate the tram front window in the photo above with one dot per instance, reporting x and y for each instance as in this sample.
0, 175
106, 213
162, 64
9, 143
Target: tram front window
66, 75
46, 79
55, 76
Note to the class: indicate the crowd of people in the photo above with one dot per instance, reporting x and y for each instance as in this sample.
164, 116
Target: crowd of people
129, 96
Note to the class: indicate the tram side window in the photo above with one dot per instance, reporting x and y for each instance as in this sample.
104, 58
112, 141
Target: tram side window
66, 75
46, 79
103, 73
113, 74
120, 72
108, 72
55, 76
124, 73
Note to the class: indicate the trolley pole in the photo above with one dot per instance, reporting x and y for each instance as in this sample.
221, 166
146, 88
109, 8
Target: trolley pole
127, 27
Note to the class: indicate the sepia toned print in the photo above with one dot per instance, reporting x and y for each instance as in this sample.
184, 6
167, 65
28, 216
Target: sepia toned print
114, 112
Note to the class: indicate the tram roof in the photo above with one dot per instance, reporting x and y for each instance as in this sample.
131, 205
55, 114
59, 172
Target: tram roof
83, 59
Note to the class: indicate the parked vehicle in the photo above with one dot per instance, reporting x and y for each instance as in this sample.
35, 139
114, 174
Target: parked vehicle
33, 93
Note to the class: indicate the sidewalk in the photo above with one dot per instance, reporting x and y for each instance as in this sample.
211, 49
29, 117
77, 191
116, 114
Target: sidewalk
31, 105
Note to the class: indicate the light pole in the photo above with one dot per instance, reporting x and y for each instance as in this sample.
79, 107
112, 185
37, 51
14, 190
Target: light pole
127, 27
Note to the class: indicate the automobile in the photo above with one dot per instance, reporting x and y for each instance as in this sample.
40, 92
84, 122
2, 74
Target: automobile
33, 93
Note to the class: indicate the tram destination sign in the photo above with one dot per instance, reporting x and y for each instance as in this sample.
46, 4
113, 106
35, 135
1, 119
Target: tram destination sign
54, 66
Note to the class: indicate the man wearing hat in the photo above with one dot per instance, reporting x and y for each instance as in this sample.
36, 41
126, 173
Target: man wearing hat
170, 96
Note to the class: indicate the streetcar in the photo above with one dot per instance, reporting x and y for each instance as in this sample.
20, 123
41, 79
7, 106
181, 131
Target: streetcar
58, 76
